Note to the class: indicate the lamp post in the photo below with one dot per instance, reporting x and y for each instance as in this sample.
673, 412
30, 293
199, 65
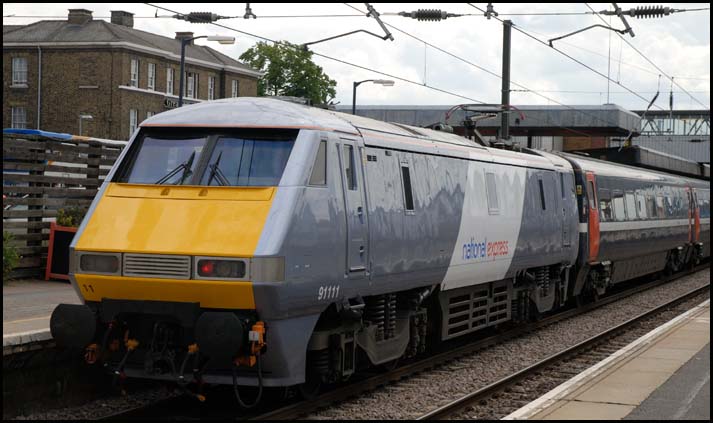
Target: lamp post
184, 42
384, 82
81, 118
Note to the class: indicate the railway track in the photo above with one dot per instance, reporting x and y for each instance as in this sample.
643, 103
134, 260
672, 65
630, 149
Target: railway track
586, 352
180, 407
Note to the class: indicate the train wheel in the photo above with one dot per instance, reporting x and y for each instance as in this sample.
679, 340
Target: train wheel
389, 366
311, 388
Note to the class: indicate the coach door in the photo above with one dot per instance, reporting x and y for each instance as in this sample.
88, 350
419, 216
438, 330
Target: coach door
354, 206
695, 215
593, 217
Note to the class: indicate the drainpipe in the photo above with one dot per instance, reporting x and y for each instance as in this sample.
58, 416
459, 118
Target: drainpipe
39, 85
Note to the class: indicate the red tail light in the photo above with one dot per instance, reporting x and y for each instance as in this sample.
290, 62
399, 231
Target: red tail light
206, 268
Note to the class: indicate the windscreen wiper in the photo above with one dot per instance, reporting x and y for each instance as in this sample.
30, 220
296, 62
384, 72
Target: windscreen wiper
185, 166
215, 172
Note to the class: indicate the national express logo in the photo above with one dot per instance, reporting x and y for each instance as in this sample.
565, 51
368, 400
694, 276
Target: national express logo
475, 250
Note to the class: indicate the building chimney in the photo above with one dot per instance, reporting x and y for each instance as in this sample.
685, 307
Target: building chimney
184, 35
79, 16
119, 17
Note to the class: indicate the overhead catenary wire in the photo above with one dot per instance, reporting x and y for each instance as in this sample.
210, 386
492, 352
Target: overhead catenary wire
494, 74
515, 27
332, 58
650, 61
349, 15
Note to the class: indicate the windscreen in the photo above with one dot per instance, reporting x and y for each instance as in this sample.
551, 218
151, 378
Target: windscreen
246, 162
256, 158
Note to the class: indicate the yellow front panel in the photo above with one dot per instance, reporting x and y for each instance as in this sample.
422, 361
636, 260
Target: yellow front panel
219, 221
210, 294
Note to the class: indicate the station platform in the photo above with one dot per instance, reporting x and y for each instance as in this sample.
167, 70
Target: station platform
26, 309
664, 375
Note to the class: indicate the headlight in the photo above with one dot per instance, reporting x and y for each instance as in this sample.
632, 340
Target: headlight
106, 264
267, 269
220, 268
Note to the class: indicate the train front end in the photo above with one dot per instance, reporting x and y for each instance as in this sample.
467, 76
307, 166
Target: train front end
166, 260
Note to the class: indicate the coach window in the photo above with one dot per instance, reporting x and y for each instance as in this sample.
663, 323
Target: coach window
668, 205
605, 211
542, 194
630, 205
319, 170
705, 210
640, 205
349, 167
650, 206
619, 207
660, 209
408, 193
492, 189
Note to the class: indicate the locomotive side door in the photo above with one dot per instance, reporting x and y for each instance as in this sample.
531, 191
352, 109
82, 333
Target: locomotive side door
354, 207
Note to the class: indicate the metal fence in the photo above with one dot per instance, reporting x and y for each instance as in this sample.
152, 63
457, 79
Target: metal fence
43, 173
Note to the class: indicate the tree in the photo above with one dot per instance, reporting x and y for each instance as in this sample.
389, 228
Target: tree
289, 71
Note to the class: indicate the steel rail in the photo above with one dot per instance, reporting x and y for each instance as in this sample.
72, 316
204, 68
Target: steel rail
462, 403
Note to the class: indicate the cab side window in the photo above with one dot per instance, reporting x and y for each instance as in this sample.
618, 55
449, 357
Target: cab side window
319, 169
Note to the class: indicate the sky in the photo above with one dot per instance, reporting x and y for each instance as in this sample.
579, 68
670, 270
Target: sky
678, 44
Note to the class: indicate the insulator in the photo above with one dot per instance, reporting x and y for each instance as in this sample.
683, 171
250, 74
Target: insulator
650, 12
427, 14
200, 17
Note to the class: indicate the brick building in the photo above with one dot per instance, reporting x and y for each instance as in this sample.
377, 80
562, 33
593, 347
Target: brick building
56, 71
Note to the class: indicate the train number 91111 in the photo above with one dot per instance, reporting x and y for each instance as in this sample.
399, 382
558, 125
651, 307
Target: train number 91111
328, 292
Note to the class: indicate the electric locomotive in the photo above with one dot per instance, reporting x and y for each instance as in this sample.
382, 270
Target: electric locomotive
257, 242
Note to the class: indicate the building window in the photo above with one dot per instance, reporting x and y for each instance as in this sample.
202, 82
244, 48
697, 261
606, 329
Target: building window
149, 114
19, 118
152, 76
133, 121
19, 70
211, 88
134, 73
169, 81
236, 88
191, 85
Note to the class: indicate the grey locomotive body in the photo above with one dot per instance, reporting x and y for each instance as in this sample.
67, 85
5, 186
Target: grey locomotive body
382, 239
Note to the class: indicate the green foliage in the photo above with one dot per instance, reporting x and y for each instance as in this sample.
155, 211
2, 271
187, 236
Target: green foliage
10, 258
289, 71
70, 216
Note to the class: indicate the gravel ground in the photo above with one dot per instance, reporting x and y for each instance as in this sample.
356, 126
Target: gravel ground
105, 406
412, 397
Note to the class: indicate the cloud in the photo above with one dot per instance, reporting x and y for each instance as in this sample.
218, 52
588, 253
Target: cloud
679, 44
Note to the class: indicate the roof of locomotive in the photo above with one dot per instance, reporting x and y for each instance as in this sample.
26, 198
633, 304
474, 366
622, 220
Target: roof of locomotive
263, 112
